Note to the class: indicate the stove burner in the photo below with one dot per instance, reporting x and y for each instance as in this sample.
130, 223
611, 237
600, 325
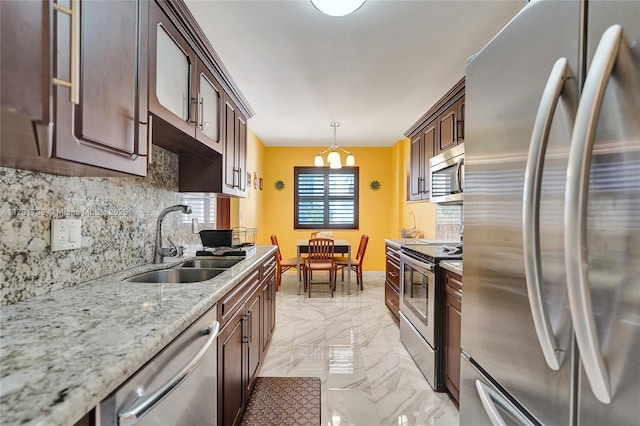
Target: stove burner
452, 249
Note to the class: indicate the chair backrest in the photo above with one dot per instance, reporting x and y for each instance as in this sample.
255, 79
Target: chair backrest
274, 241
362, 247
320, 249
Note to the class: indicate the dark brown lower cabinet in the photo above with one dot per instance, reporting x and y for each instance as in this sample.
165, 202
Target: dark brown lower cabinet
231, 363
452, 327
247, 318
392, 280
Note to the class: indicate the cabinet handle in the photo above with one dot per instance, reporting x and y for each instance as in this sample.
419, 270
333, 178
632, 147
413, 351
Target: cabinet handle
575, 213
531, 211
390, 302
250, 325
145, 403
72, 83
200, 118
244, 320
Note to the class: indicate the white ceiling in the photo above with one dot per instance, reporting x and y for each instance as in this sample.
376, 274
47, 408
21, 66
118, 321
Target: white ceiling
376, 71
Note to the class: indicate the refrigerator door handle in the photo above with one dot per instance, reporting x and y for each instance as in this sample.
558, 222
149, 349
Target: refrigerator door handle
531, 211
489, 398
575, 214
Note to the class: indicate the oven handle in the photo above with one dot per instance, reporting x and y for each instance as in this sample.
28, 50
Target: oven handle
415, 263
145, 403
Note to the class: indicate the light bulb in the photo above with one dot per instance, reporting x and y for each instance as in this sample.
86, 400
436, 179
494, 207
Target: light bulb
318, 161
333, 157
351, 160
335, 164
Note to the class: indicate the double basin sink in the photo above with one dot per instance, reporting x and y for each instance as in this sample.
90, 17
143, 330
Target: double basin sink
188, 272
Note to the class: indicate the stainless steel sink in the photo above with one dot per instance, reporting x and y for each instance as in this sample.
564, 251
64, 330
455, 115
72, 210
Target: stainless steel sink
176, 275
209, 263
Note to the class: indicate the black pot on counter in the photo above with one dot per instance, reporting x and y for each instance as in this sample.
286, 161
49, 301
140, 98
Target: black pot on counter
216, 237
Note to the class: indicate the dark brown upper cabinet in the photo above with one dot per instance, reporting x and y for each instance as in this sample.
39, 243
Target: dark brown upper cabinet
235, 151
182, 90
74, 87
439, 129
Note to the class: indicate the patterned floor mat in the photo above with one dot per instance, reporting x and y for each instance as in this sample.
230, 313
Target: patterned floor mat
293, 401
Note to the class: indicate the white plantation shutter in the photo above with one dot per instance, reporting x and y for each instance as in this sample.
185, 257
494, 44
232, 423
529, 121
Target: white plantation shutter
326, 198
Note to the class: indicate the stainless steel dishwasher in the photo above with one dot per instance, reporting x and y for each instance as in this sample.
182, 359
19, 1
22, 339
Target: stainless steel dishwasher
177, 387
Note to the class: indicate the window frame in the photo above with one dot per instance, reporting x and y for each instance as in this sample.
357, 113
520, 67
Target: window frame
326, 171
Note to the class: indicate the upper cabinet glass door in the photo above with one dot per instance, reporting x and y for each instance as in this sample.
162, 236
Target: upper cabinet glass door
173, 70
209, 113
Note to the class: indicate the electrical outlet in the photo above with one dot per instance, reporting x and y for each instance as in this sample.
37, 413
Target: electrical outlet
65, 234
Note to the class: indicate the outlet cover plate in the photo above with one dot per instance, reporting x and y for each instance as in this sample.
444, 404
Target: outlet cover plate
65, 234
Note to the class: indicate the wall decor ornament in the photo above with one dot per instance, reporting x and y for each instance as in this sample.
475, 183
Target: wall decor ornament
279, 185
260, 184
375, 185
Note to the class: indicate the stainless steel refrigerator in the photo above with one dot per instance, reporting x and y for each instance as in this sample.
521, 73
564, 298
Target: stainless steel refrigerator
551, 285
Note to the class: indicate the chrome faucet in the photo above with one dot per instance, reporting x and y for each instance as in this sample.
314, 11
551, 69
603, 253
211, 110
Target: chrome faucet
160, 252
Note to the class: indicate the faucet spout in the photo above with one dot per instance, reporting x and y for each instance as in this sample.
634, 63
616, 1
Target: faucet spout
158, 251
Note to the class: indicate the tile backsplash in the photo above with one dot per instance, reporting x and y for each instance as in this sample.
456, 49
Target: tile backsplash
118, 225
448, 222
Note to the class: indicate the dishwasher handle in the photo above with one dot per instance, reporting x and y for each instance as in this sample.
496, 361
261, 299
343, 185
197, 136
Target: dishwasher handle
145, 403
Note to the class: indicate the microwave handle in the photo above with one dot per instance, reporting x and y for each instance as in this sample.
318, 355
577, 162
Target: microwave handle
459, 175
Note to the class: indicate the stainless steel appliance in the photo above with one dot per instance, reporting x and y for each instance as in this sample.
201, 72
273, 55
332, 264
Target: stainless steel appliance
551, 306
447, 176
420, 311
177, 387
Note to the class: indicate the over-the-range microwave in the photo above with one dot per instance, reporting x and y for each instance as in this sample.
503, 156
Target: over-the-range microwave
447, 176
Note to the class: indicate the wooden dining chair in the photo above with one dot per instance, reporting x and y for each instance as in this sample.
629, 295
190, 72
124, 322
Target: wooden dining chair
320, 258
356, 264
282, 264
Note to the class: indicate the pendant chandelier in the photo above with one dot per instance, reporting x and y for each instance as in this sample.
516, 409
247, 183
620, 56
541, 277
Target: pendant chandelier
334, 160
337, 7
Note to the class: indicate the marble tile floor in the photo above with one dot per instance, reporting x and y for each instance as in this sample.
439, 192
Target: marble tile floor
352, 343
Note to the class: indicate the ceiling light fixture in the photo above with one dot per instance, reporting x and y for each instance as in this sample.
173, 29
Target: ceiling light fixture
337, 7
334, 156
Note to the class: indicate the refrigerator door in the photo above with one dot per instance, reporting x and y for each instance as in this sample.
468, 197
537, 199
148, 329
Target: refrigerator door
485, 404
504, 91
610, 375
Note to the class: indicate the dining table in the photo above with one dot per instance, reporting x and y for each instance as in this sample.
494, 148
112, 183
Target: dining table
340, 247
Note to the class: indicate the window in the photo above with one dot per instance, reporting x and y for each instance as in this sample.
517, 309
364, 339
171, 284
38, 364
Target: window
203, 208
326, 198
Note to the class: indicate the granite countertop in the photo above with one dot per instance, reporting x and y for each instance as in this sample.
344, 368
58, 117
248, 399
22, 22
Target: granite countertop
63, 352
454, 266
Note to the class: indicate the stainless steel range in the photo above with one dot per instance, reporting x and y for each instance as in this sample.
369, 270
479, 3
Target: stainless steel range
421, 305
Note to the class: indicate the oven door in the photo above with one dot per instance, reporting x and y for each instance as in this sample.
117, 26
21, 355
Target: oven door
417, 295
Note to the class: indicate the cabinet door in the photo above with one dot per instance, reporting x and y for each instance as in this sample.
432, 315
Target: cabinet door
447, 123
416, 167
268, 310
453, 323
230, 170
208, 113
241, 148
232, 370
170, 73
429, 137
254, 328
107, 125
460, 126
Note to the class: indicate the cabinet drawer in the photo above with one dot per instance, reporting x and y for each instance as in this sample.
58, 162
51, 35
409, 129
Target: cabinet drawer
393, 274
392, 299
236, 297
453, 284
393, 253
268, 266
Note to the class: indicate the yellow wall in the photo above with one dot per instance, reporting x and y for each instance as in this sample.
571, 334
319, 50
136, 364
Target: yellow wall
382, 213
